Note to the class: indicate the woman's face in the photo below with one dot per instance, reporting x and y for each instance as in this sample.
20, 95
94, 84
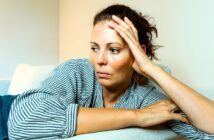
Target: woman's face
110, 56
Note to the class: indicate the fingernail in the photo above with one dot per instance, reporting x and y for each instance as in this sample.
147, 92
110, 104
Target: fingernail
187, 121
113, 16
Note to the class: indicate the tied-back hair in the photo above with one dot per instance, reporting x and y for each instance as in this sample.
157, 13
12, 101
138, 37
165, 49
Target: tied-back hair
145, 30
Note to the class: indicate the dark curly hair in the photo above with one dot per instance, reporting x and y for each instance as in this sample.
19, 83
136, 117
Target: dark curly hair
144, 28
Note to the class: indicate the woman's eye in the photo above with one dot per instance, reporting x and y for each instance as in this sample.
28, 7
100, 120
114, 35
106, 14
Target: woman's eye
114, 50
94, 49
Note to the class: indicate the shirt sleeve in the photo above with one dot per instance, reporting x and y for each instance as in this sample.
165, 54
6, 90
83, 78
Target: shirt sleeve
186, 130
49, 111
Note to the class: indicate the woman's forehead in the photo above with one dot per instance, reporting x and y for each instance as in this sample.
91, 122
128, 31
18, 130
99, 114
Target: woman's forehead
101, 33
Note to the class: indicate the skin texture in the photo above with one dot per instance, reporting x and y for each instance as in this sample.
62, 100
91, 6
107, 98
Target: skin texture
187, 99
199, 109
110, 54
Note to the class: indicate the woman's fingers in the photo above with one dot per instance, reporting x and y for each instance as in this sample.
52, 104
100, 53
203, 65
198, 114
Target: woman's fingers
126, 36
124, 30
169, 107
159, 113
127, 25
175, 116
123, 34
120, 21
166, 105
149, 117
128, 32
132, 27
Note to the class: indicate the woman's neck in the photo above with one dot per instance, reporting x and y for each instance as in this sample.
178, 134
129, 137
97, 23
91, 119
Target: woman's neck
112, 94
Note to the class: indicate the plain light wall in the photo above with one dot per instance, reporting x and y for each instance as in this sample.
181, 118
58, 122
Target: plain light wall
28, 34
185, 30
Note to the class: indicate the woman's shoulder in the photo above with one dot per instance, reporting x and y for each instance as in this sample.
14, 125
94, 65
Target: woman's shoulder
76, 62
141, 90
78, 65
148, 94
149, 89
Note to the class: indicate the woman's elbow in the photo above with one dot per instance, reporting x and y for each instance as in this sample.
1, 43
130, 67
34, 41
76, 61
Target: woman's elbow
206, 125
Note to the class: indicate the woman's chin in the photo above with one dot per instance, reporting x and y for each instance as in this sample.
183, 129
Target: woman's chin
105, 82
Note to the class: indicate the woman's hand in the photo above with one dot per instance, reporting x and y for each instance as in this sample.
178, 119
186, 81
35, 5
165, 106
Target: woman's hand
198, 108
129, 33
158, 113
116, 118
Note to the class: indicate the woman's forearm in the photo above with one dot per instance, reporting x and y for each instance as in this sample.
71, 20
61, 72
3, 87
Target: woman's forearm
100, 119
198, 108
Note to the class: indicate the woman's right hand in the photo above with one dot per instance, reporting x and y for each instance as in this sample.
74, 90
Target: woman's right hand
158, 113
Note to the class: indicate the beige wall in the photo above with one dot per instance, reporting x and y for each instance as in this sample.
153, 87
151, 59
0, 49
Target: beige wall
185, 31
28, 34
75, 26
76, 17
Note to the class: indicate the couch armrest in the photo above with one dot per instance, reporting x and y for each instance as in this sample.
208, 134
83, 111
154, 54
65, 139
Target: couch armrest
134, 133
4, 86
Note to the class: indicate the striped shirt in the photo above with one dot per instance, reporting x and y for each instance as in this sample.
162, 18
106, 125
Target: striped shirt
50, 112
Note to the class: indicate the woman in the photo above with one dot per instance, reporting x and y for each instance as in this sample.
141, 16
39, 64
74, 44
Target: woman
111, 89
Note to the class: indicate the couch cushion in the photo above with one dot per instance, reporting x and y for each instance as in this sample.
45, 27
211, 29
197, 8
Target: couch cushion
28, 77
155, 133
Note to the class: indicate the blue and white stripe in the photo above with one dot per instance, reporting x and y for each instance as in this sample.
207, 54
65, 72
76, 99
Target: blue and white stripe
50, 112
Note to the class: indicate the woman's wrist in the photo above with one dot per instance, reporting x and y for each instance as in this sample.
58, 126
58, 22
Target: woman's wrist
137, 117
150, 69
134, 117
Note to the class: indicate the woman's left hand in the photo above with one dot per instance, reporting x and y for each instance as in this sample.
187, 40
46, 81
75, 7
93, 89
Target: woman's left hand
187, 99
129, 33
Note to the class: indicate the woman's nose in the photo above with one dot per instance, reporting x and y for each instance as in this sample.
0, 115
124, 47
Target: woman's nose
102, 60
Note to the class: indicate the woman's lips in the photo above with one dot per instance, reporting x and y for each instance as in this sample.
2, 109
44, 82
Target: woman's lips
103, 74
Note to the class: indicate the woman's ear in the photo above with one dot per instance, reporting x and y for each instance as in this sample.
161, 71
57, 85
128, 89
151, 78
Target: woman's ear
143, 47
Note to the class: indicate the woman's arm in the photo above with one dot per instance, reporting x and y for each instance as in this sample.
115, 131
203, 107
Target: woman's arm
184, 129
101, 119
198, 108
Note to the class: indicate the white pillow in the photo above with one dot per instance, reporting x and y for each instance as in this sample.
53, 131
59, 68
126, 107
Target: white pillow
28, 77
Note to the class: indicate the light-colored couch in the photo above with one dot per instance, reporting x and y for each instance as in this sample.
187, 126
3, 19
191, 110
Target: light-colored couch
26, 77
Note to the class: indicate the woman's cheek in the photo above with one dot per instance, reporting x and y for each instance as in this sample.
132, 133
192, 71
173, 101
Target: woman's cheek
93, 58
116, 62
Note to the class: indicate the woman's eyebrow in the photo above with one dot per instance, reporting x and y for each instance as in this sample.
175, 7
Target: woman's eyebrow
94, 43
110, 43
